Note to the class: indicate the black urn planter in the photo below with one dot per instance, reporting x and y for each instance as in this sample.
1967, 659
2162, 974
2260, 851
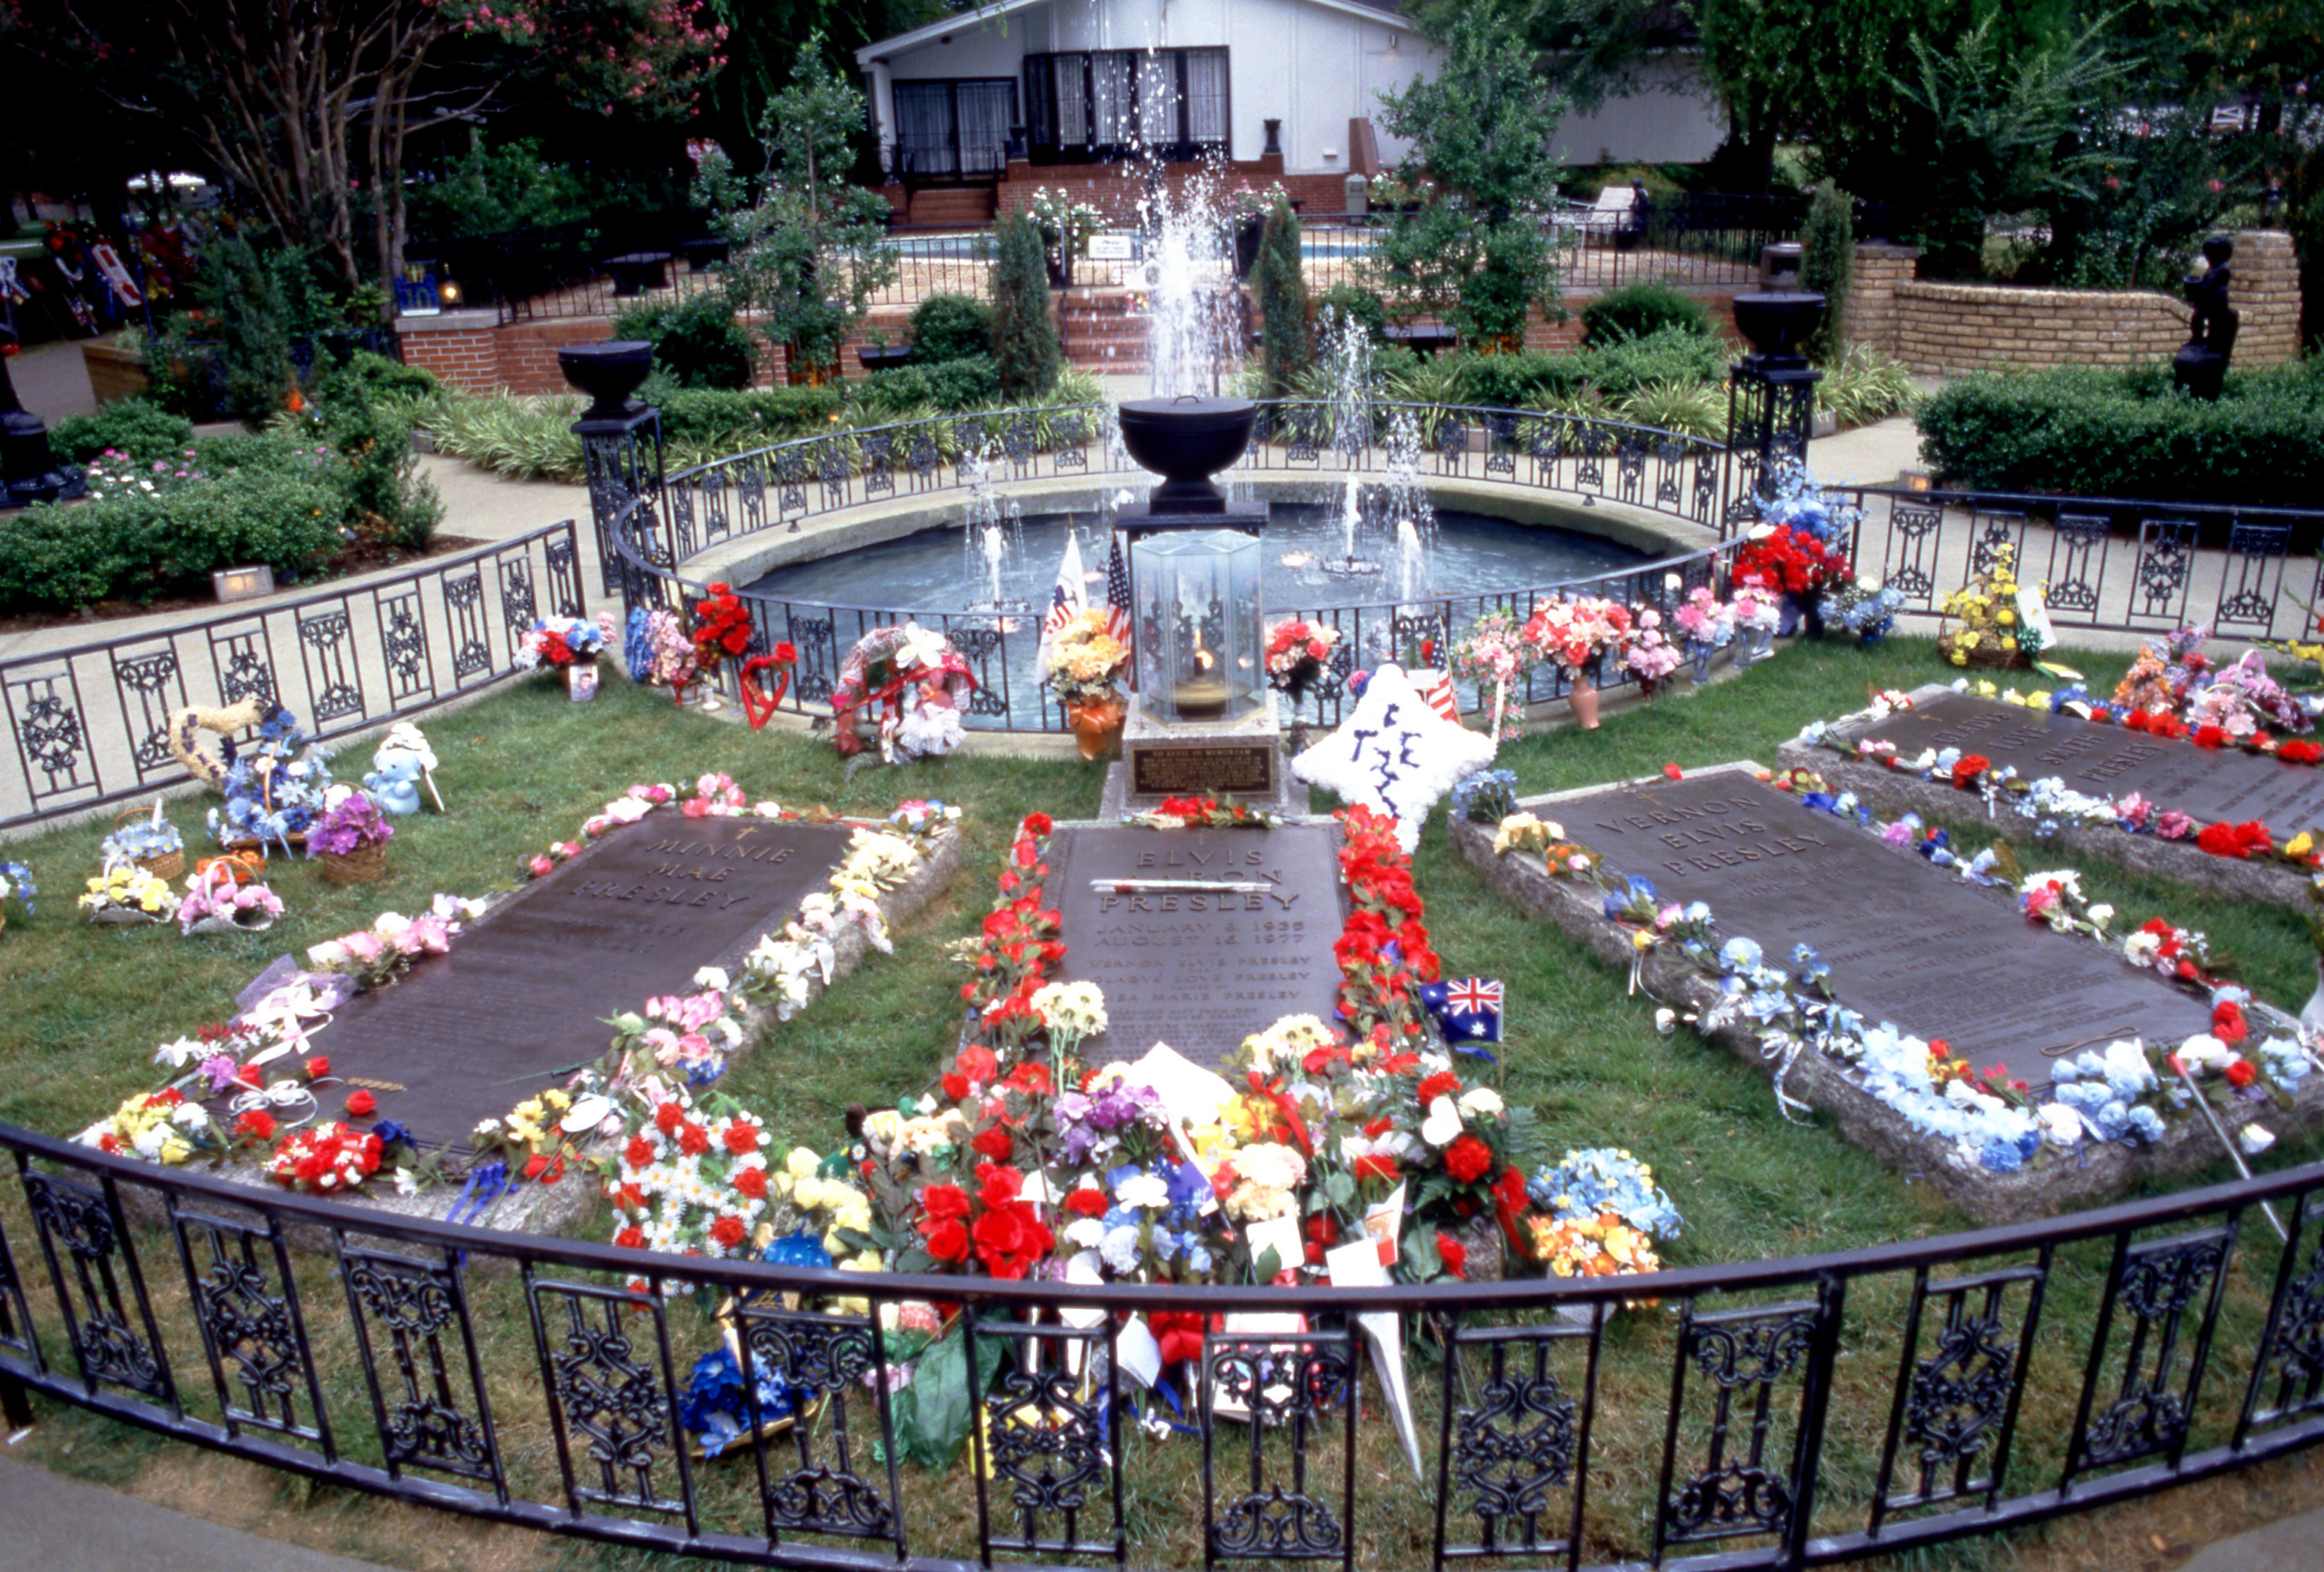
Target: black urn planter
609, 372
884, 357
1186, 440
1248, 233
1778, 323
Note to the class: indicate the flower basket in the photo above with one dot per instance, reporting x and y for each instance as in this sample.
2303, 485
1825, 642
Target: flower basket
1097, 724
251, 922
366, 864
124, 917
1984, 654
166, 865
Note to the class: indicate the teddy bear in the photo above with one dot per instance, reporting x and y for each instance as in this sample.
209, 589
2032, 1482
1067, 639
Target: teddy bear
404, 762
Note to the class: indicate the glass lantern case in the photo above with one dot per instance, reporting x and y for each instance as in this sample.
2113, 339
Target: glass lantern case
1199, 640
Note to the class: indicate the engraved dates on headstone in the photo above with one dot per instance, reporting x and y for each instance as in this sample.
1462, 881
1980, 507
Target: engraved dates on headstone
523, 996
2106, 760
1244, 768
1907, 942
1198, 937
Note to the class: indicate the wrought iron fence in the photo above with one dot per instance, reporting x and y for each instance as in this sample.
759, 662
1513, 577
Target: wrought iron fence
1770, 1414
2109, 564
90, 722
776, 488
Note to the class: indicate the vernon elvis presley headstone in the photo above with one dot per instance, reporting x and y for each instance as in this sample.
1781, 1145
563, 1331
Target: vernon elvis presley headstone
1198, 937
1907, 942
2104, 760
522, 997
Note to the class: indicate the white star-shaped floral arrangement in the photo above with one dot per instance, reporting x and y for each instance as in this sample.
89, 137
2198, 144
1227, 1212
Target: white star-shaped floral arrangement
1394, 754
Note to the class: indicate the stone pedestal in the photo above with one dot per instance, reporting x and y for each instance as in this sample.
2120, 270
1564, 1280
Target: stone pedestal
1243, 758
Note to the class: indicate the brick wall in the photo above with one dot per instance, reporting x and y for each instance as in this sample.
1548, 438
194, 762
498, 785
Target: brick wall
1952, 328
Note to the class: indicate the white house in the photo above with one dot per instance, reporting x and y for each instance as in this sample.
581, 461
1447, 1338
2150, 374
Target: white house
1282, 88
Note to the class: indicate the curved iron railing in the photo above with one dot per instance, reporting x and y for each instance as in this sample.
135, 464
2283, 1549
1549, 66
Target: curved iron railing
90, 722
1779, 1413
653, 538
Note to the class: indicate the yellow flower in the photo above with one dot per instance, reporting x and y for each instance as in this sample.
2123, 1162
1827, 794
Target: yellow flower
1986, 690
2005, 618
2301, 845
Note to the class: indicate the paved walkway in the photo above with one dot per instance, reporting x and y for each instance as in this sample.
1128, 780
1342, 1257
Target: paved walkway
52, 380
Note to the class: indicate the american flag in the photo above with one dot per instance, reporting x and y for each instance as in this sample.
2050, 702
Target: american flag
1439, 695
1117, 596
1068, 599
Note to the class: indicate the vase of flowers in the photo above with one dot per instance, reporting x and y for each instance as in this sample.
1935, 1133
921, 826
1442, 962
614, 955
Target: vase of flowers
722, 631
1575, 633
1494, 655
1756, 615
224, 898
16, 884
569, 646
1708, 627
1297, 652
1082, 666
350, 841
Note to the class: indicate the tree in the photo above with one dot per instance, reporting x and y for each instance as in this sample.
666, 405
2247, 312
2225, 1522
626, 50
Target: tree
809, 249
1476, 250
1024, 334
1283, 347
1588, 51
297, 104
1826, 263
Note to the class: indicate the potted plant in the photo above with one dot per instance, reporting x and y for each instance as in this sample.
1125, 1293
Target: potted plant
878, 355
16, 884
1575, 633
1297, 654
569, 646
1083, 666
350, 839
1247, 210
151, 842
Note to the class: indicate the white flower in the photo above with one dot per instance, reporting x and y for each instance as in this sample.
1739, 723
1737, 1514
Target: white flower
1443, 1123
2204, 1051
151, 1139
1665, 1021
1149, 1191
177, 1055
2102, 913
2061, 1125
1481, 1102
407, 1183
713, 978
2254, 1139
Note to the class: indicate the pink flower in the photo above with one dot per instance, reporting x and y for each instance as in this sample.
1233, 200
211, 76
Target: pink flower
699, 1010
541, 867
365, 946
1898, 834
2173, 826
663, 1044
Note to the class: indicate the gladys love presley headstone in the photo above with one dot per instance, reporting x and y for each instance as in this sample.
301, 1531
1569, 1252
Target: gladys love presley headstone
2104, 760
522, 999
1198, 937
1907, 942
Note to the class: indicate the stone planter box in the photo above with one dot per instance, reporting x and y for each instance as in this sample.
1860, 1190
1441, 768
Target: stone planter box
2062, 1182
115, 372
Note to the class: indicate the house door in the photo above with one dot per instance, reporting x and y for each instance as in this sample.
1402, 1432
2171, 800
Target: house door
953, 131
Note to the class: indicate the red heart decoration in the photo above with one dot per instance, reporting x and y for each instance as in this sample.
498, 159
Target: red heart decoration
757, 705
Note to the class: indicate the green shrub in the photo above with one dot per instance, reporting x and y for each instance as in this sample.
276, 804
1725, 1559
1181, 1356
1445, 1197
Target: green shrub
698, 343
388, 500
255, 316
1354, 300
1510, 381
136, 426
1826, 263
949, 386
383, 378
2113, 433
1637, 311
55, 558
1286, 350
946, 328
1024, 332
1669, 353
747, 417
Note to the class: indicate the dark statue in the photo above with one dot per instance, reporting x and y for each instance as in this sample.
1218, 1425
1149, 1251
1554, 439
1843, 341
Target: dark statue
2200, 366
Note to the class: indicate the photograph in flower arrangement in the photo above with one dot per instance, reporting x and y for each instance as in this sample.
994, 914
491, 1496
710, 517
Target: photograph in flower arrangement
520, 1002
1979, 1024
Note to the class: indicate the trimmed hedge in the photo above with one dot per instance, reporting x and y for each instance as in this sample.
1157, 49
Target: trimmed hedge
698, 343
1667, 354
1641, 310
749, 416
2131, 433
953, 385
946, 328
137, 426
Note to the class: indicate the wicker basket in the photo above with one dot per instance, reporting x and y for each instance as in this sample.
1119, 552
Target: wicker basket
169, 865
1985, 656
366, 864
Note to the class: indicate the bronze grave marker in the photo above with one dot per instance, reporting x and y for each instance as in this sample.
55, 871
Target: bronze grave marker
1198, 937
522, 997
1907, 942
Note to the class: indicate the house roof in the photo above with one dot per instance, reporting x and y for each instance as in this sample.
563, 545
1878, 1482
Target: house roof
993, 9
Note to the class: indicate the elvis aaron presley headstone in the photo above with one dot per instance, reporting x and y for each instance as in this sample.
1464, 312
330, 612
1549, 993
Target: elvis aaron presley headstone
1198, 937
1907, 942
2104, 760
522, 999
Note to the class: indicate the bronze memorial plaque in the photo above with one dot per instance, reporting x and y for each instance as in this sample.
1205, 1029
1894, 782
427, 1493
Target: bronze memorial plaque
522, 997
2092, 756
1907, 942
1198, 937
1203, 769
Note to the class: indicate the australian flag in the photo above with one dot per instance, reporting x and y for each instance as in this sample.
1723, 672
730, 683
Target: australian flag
1468, 1009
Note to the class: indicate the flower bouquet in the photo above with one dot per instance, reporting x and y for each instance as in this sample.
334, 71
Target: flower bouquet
273, 789
721, 628
350, 839
1755, 614
125, 893
568, 646
1297, 652
1601, 1215
1797, 564
1495, 654
152, 843
1992, 633
218, 902
1574, 633
1707, 625
377, 955
16, 884
1082, 664
1648, 654
1864, 608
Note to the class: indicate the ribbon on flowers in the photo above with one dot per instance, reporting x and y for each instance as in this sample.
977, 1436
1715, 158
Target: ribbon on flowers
487, 1182
1790, 1051
1272, 1090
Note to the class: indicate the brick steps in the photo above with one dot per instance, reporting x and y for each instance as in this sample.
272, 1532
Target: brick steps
1106, 332
960, 205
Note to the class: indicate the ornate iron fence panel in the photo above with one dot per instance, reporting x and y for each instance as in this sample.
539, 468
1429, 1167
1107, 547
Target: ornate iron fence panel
537, 1382
345, 659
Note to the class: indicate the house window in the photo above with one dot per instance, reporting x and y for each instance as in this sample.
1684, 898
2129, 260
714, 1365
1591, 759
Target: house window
954, 130
1115, 104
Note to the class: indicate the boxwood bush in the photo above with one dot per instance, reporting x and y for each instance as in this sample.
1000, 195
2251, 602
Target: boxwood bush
950, 327
1667, 355
2131, 433
953, 385
137, 426
1637, 311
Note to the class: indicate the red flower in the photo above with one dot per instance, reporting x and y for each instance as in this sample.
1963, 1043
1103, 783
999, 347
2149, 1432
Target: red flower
729, 1232
956, 1086
2228, 1024
317, 1067
751, 1183
1036, 825
1444, 1083
256, 1124
947, 1240
977, 1063
1030, 1078
1675, 773
741, 1138
1454, 1255
638, 1153
2210, 736
2299, 752
998, 1186
2241, 1073
1180, 1333
1010, 1239
668, 1118
1468, 1159
993, 1142
1510, 1190
630, 1239
361, 1104
693, 1139
943, 1201
1087, 1203
1969, 768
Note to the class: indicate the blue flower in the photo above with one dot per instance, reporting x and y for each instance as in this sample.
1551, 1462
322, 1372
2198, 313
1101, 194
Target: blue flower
1739, 954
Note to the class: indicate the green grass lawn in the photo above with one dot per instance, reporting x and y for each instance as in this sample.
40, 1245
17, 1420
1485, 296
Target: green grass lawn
86, 1006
